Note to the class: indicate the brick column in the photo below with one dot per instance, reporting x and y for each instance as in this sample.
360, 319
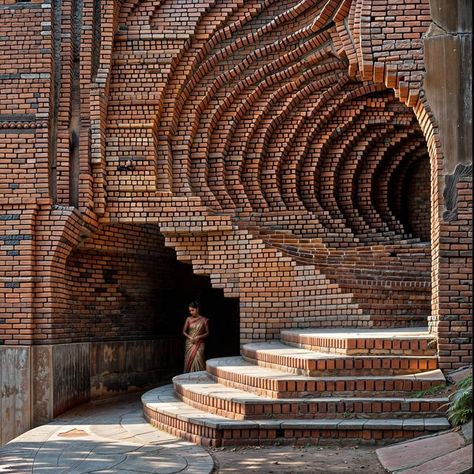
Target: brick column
448, 93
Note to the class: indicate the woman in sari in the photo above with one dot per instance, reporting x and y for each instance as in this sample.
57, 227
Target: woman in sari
195, 330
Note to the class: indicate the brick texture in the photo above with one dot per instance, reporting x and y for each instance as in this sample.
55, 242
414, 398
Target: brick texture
284, 150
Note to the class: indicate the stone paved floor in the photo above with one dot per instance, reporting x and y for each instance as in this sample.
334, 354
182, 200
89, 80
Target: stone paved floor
443, 453
108, 437
112, 437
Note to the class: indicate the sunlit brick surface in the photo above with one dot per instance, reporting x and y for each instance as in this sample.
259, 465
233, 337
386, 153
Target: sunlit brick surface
285, 150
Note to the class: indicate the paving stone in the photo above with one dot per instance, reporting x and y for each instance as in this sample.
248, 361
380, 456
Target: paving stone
418, 451
131, 445
455, 462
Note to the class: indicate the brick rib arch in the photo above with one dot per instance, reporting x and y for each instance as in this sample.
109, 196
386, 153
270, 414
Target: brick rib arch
268, 122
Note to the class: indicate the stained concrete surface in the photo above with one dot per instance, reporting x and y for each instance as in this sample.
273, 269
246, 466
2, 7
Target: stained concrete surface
106, 437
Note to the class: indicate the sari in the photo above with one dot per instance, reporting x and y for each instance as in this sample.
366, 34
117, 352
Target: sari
194, 351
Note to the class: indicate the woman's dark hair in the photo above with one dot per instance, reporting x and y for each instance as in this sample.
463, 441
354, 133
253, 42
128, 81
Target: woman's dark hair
194, 304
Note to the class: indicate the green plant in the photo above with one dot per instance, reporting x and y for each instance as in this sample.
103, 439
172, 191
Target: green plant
460, 402
430, 391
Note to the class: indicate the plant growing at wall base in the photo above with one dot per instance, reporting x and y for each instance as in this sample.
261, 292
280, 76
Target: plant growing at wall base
460, 405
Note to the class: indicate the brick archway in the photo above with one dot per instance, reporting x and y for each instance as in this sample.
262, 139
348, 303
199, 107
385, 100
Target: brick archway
125, 285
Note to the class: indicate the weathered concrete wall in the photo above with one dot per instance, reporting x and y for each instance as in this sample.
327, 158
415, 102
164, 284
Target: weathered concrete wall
38, 383
60, 379
42, 382
15, 395
448, 79
122, 366
71, 375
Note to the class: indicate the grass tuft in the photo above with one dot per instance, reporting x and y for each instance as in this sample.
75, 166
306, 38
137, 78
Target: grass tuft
430, 391
460, 402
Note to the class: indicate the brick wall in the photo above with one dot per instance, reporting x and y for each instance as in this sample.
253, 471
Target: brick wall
24, 115
124, 284
455, 290
418, 215
266, 141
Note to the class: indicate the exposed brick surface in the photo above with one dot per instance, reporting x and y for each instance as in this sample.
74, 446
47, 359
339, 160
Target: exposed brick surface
285, 150
310, 393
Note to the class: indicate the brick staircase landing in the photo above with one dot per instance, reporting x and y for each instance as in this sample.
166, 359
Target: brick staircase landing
313, 384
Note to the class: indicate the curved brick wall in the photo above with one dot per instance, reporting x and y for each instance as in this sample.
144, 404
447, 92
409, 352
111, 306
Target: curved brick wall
288, 151
260, 114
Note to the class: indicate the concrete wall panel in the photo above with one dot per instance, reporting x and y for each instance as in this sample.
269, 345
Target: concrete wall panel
42, 381
122, 366
71, 375
15, 394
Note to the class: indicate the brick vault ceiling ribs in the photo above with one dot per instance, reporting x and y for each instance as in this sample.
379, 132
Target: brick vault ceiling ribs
264, 119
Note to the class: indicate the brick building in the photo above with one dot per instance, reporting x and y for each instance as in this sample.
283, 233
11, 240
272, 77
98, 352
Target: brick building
291, 164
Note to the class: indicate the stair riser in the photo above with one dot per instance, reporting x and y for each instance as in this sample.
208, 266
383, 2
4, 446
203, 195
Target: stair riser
342, 367
362, 352
362, 388
312, 410
389, 321
361, 346
211, 437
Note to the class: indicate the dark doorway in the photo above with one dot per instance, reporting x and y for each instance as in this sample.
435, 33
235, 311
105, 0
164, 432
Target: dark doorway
223, 313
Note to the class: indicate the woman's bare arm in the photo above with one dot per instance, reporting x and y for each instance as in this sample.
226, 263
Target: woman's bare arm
186, 324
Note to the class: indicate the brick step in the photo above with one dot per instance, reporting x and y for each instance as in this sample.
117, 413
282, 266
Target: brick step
392, 296
391, 306
395, 319
392, 321
199, 390
384, 286
385, 252
358, 273
348, 276
399, 257
166, 412
303, 362
368, 259
352, 341
373, 265
238, 373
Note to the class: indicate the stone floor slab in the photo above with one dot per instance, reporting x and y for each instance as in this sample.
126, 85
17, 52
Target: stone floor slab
455, 462
403, 456
108, 437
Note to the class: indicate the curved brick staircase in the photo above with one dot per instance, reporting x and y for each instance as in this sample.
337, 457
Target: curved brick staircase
312, 384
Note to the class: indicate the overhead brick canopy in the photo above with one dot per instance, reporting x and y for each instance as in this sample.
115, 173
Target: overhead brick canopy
291, 152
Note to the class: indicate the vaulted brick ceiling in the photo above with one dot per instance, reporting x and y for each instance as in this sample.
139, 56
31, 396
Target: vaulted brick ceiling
265, 114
